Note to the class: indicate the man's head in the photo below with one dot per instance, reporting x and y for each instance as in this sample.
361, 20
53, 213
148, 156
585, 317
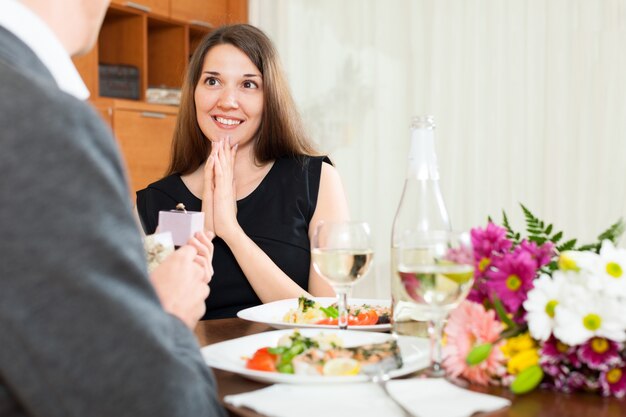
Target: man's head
75, 22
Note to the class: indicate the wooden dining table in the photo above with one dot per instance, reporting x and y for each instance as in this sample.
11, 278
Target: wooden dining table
540, 402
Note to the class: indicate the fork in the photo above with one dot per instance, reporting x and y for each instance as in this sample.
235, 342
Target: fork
378, 375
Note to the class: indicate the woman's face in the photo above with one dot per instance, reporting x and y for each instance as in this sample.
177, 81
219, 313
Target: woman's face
229, 95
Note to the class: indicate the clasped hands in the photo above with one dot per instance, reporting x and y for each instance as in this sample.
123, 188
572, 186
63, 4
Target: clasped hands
219, 200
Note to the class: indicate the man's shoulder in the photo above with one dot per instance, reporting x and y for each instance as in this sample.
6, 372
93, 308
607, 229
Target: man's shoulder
30, 108
22, 94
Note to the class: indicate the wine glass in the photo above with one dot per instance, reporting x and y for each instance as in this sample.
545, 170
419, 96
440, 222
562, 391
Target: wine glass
342, 253
436, 271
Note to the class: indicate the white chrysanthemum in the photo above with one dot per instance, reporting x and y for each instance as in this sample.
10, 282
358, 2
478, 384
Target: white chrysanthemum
611, 275
580, 261
587, 314
542, 301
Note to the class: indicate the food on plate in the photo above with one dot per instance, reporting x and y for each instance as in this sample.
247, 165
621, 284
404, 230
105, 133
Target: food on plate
325, 355
312, 312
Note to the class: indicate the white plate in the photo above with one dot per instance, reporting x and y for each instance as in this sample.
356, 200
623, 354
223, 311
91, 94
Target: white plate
231, 355
272, 314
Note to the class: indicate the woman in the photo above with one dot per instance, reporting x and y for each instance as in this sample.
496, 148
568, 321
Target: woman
241, 156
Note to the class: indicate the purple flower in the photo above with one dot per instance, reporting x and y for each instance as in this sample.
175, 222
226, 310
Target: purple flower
541, 254
555, 352
555, 377
575, 381
564, 379
512, 278
462, 255
479, 291
613, 382
489, 241
600, 354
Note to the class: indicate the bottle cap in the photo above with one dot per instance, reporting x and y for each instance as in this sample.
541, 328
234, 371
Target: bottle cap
423, 122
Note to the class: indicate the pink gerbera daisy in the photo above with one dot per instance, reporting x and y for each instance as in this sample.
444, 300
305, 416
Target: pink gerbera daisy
468, 326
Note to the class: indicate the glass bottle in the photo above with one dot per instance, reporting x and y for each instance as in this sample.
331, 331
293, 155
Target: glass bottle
421, 209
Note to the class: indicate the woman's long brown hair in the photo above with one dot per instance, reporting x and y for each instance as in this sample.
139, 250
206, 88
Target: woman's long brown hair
280, 133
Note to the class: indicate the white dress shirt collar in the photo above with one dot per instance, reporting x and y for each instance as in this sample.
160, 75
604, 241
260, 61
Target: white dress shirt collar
37, 35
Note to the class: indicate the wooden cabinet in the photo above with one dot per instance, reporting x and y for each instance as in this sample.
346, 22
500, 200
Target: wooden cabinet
145, 139
160, 7
237, 11
200, 12
156, 37
210, 13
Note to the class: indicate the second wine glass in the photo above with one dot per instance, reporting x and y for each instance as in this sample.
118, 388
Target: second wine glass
342, 253
436, 273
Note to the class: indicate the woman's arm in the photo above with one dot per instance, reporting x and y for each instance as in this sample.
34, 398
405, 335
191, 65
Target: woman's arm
331, 206
269, 282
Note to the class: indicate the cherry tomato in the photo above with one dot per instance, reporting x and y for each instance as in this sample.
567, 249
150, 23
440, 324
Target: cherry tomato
262, 360
367, 318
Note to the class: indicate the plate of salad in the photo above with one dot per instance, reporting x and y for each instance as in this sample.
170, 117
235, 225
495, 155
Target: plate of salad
301, 356
321, 313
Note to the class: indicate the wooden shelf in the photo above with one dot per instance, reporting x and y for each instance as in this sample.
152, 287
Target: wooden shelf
157, 37
168, 47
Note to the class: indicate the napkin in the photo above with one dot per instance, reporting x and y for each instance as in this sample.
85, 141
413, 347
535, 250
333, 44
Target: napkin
437, 397
424, 397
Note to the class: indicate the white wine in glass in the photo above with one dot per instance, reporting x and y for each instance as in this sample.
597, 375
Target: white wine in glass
342, 254
436, 273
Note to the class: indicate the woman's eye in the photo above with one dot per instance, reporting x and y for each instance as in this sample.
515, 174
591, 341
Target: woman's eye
211, 81
250, 84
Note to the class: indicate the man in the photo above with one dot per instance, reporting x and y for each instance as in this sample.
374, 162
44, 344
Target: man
82, 331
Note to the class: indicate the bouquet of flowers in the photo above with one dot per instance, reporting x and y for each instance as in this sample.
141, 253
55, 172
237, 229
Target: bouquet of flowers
542, 312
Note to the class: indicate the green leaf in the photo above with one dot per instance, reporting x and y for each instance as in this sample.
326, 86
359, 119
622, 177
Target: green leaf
479, 353
569, 245
613, 232
285, 368
502, 314
538, 240
557, 236
527, 380
594, 247
510, 234
278, 350
549, 229
330, 311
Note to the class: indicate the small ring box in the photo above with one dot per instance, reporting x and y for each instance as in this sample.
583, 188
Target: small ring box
181, 223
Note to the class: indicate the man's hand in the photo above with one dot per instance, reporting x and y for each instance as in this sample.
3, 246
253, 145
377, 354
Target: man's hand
182, 280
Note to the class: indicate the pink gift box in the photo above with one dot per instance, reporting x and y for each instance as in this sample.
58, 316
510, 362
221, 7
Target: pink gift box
182, 224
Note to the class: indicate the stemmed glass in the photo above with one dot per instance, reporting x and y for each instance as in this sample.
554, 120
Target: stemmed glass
437, 272
342, 253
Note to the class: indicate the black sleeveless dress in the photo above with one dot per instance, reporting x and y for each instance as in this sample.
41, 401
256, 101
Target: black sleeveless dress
275, 216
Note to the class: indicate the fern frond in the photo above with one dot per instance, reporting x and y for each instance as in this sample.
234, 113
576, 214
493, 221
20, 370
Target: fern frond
613, 232
569, 245
534, 226
510, 233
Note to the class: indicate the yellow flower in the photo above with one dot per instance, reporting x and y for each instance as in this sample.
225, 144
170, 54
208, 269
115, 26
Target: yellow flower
517, 344
566, 263
521, 353
522, 360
